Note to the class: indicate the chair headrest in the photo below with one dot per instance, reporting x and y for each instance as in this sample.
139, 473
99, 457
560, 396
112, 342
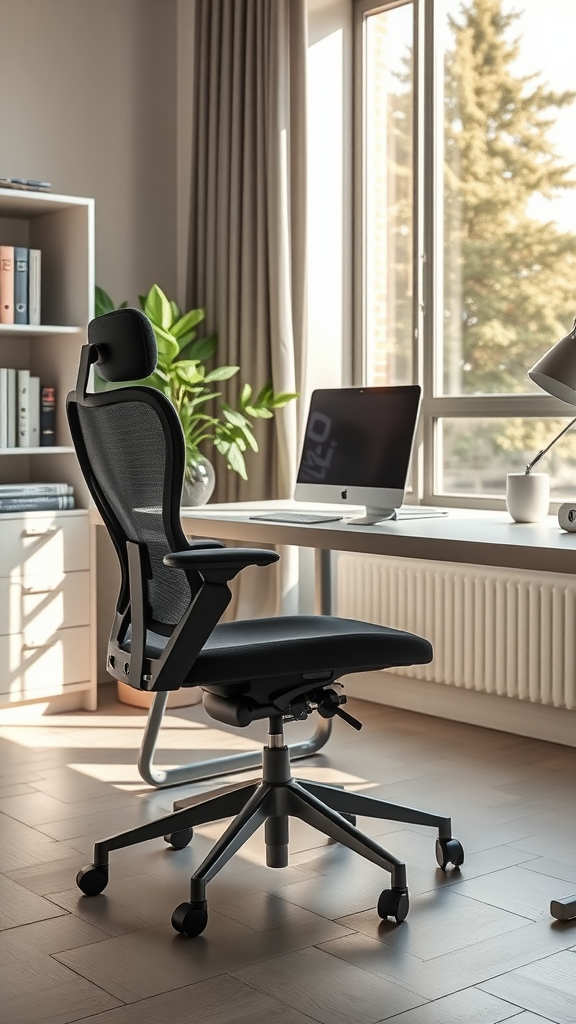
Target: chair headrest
125, 343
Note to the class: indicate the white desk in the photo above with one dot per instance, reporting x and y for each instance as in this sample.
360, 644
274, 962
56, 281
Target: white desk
464, 535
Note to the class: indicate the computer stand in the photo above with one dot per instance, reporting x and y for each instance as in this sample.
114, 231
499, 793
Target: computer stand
373, 517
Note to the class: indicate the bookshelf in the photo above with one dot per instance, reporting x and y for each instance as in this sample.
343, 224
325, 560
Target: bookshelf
47, 559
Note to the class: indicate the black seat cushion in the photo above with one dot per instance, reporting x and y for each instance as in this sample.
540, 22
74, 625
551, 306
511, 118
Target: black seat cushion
293, 644
272, 647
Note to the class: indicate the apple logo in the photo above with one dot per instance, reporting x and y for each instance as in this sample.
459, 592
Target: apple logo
344, 493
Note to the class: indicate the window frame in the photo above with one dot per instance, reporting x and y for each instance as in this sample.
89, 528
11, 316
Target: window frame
427, 257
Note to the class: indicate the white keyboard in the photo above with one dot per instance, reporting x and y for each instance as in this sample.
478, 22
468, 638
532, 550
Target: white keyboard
305, 518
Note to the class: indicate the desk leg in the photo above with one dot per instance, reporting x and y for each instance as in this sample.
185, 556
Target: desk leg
198, 770
323, 581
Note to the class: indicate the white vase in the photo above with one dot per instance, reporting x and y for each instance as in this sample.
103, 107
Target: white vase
199, 483
528, 496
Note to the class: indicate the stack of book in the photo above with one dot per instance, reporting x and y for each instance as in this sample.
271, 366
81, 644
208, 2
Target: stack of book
27, 410
26, 184
35, 497
19, 285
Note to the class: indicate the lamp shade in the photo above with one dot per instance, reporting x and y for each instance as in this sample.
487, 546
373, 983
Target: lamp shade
555, 372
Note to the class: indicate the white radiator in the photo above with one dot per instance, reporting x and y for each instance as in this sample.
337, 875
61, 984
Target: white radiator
499, 631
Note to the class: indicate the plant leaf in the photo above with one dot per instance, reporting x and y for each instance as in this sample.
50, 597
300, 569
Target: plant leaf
202, 349
185, 339
234, 417
158, 308
187, 322
262, 413
236, 461
187, 374
264, 394
167, 346
221, 373
281, 398
102, 302
246, 395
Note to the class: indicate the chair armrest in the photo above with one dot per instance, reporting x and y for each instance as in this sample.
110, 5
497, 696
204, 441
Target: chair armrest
216, 567
223, 558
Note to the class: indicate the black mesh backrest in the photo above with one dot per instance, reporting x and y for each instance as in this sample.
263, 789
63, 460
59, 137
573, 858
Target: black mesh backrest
126, 444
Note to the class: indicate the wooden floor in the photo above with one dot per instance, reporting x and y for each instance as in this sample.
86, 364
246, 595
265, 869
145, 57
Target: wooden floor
302, 943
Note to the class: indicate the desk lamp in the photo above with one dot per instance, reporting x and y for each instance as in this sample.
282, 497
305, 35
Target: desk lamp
528, 493
555, 373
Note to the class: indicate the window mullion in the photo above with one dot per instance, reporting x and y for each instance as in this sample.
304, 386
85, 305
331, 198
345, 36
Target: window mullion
426, 218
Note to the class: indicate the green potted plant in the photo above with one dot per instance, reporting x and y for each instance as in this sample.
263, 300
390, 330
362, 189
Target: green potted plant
183, 376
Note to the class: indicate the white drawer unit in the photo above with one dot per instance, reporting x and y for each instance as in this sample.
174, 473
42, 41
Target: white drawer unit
42, 604
35, 544
46, 607
33, 666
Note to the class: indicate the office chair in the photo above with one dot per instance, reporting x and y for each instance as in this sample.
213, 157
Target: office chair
166, 634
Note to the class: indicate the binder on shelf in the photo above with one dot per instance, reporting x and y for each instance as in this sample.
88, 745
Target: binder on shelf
21, 256
23, 396
6, 284
3, 407
34, 490
34, 275
11, 407
34, 412
47, 416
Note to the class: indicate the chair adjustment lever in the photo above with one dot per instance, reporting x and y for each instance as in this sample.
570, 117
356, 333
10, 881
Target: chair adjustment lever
330, 706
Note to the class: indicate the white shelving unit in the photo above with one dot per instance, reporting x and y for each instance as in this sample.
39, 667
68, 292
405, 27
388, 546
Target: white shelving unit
47, 559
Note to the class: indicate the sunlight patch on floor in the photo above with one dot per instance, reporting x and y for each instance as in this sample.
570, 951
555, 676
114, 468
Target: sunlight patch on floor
113, 733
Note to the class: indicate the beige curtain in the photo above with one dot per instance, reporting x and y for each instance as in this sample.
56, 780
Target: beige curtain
247, 232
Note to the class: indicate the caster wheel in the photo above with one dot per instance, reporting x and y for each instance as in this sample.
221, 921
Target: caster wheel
449, 851
190, 918
92, 880
179, 840
394, 903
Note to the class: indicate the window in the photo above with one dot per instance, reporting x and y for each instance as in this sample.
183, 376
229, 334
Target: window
466, 243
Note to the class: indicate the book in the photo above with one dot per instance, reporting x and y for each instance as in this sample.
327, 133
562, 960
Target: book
39, 503
21, 257
23, 399
11, 406
3, 407
6, 284
47, 416
28, 184
34, 490
34, 292
34, 412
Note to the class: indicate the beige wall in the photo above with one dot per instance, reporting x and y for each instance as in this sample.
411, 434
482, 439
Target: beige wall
88, 101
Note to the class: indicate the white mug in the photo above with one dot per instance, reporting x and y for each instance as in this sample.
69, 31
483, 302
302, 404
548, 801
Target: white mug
527, 496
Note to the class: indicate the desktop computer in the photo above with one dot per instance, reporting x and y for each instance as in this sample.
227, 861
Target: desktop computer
356, 451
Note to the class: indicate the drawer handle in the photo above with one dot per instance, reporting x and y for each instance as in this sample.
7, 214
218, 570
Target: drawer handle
32, 532
39, 590
35, 647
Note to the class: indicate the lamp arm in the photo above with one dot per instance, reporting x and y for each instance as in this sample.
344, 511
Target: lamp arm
531, 465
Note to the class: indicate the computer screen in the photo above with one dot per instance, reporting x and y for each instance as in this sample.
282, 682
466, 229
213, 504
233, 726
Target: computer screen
357, 446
